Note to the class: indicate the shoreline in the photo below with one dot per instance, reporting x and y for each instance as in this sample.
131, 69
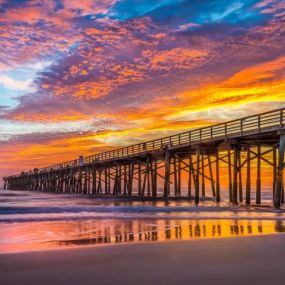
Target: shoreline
239, 260
134, 243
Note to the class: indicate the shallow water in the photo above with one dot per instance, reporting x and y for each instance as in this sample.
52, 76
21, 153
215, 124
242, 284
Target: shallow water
34, 221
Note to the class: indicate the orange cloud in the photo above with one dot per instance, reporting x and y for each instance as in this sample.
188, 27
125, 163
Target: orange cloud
259, 83
55, 117
177, 58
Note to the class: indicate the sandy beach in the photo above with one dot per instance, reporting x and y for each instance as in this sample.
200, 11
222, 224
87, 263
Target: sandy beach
241, 260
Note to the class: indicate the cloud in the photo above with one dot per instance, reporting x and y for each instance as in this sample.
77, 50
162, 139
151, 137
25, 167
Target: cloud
13, 84
177, 58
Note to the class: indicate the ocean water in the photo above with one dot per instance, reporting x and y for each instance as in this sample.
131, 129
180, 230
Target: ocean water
37, 221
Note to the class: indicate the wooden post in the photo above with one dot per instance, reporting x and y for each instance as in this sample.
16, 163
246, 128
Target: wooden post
151, 176
175, 176
120, 180
197, 198
211, 172
279, 173
148, 178
130, 179
125, 180
106, 181
274, 171
71, 182
80, 181
282, 192
218, 194
76, 181
230, 176
189, 176
100, 182
167, 173
116, 181
64, 185
109, 180
240, 176
88, 182
139, 179
258, 176
203, 176
235, 170
154, 178
94, 181
248, 180
179, 177
85, 181
145, 180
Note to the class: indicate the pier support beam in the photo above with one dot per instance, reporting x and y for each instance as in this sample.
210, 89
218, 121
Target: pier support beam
218, 195
179, 177
139, 179
274, 158
279, 173
175, 172
211, 172
94, 181
166, 173
197, 194
106, 180
230, 176
235, 173
203, 176
154, 178
130, 179
258, 176
240, 176
190, 176
248, 179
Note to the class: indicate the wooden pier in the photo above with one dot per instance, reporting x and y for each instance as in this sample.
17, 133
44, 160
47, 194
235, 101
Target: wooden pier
155, 168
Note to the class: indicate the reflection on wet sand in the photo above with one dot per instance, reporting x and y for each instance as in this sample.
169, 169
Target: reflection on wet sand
138, 231
48, 235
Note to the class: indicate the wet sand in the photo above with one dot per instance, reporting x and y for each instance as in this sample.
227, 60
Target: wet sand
241, 260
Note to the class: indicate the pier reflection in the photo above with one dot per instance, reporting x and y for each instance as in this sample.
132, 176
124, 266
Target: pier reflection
60, 234
163, 230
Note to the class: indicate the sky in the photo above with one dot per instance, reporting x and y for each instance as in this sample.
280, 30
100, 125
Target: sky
81, 77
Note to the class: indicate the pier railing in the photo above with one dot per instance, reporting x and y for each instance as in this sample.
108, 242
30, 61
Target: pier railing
239, 127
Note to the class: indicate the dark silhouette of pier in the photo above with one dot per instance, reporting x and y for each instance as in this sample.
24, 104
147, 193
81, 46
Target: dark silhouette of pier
138, 170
